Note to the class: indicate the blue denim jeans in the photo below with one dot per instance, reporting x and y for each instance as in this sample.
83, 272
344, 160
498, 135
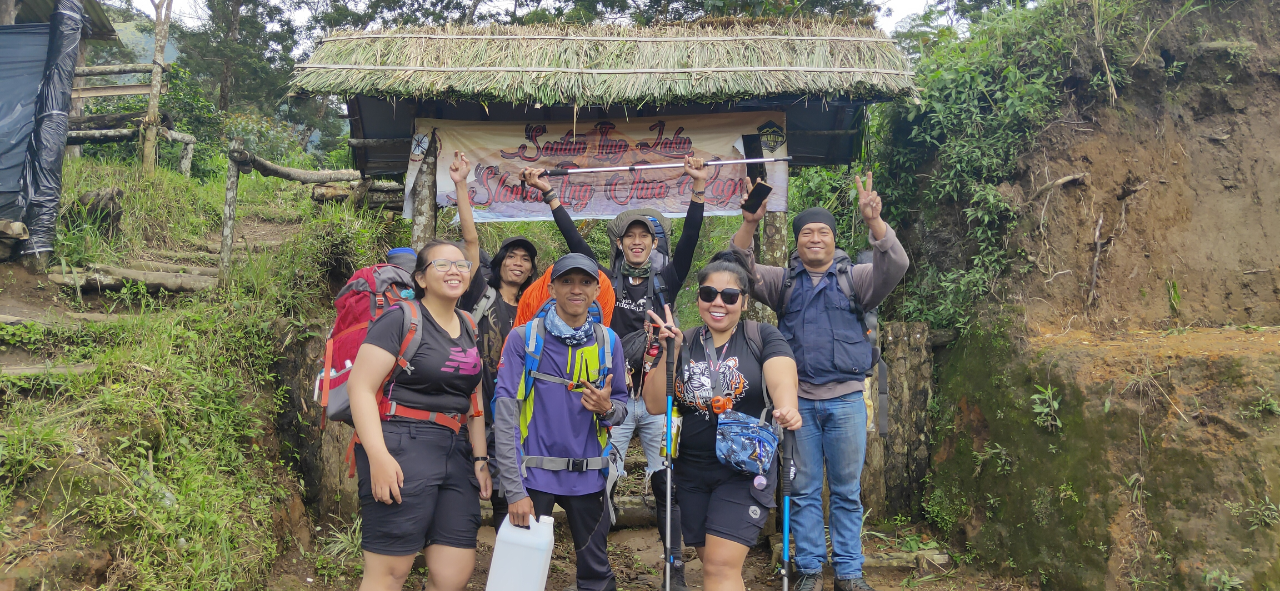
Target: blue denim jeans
834, 435
650, 428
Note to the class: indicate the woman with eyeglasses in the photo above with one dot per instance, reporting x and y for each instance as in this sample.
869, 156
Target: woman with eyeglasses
421, 480
726, 364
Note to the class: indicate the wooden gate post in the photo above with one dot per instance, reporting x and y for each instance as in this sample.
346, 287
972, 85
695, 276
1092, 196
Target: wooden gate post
873, 501
906, 451
424, 197
229, 215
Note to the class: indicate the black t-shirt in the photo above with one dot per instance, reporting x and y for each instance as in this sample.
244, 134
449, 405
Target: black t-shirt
632, 301
445, 370
492, 329
740, 378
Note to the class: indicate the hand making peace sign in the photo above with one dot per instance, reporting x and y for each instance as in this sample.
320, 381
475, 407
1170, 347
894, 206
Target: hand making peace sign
869, 205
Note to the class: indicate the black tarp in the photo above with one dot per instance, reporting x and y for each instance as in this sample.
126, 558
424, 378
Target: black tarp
23, 49
43, 177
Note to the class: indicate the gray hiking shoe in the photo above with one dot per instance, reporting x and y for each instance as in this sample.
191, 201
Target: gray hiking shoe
811, 582
858, 584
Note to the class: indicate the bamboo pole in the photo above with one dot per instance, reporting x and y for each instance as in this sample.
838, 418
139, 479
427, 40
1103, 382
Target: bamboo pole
229, 216
424, 201
85, 71
163, 10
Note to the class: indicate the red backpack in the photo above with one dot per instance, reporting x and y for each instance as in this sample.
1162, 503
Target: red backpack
368, 295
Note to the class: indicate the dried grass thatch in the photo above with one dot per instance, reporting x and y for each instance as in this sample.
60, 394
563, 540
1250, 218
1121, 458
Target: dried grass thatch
610, 65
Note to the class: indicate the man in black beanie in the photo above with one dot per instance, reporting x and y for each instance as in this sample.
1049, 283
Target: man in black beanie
820, 301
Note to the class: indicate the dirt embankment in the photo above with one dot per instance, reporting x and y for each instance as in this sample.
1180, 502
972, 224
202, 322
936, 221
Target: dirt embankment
1182, 190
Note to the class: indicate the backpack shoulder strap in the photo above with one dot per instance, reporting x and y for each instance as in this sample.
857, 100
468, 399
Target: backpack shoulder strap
844, 276
604, 341
470, 325
486, 302
788, 287
412, 331
754, 341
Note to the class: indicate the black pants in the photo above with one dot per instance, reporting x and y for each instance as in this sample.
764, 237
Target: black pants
659, 482
499, 500
589, 526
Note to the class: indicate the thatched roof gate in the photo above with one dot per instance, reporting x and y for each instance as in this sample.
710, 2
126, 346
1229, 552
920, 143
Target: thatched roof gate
820, 72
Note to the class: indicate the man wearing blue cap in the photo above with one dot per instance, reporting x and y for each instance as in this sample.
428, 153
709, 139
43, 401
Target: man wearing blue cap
557, 395
820, 302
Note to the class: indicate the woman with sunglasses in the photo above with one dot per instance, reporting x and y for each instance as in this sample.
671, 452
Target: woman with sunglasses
722, 509
421, 481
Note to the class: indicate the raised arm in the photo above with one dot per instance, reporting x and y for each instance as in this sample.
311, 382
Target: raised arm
682, 258
889, 262
745, 237
459, 169
655, 382
564, 223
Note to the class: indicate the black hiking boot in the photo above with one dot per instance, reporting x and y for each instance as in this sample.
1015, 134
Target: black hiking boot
858, 584
811, 582
677, 577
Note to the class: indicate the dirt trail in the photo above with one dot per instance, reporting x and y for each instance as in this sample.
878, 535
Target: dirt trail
636, 558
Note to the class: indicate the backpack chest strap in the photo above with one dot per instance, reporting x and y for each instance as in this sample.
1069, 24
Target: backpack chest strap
562, 464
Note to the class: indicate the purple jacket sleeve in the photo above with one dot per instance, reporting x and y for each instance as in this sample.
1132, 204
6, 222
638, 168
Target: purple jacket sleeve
506, 425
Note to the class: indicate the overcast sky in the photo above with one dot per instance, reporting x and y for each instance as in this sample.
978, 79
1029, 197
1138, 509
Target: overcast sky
188, 12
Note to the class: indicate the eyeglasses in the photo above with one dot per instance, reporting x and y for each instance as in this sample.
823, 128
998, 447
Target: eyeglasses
442, 265
729, 295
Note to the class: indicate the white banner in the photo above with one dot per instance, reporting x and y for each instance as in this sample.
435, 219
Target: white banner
499, 150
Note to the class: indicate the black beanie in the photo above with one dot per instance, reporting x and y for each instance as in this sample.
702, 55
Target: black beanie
812, 215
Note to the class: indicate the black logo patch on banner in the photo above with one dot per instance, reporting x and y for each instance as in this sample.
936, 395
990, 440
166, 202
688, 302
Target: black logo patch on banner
771, 136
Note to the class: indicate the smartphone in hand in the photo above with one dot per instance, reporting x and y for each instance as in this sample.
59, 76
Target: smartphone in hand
756, 198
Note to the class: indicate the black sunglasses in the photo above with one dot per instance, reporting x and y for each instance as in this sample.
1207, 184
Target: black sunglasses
729, 295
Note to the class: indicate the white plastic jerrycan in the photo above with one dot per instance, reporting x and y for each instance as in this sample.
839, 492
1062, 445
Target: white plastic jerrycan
522, 557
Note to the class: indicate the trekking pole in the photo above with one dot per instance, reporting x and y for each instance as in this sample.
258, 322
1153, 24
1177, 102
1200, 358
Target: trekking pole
635, 167
787, 469
670, 449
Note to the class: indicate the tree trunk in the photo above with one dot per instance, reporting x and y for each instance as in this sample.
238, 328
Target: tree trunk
233, 35
906, 451
471, 13
8, 12
77, 105
163, 8
229, 217
424, 202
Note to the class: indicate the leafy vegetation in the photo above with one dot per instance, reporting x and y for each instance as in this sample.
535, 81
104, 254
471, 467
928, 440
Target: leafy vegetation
164, 450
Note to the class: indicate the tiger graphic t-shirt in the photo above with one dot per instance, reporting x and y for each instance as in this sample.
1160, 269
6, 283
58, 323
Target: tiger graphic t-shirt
445, 370
740, 379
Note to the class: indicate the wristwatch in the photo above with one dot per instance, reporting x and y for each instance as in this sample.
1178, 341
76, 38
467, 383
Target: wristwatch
479, 458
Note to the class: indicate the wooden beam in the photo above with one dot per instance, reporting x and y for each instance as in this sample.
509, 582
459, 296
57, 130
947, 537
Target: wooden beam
40, 370
113, 70
117, 90
229, 213
177, 136
100, 136
268, 168
113, 121
380, 143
